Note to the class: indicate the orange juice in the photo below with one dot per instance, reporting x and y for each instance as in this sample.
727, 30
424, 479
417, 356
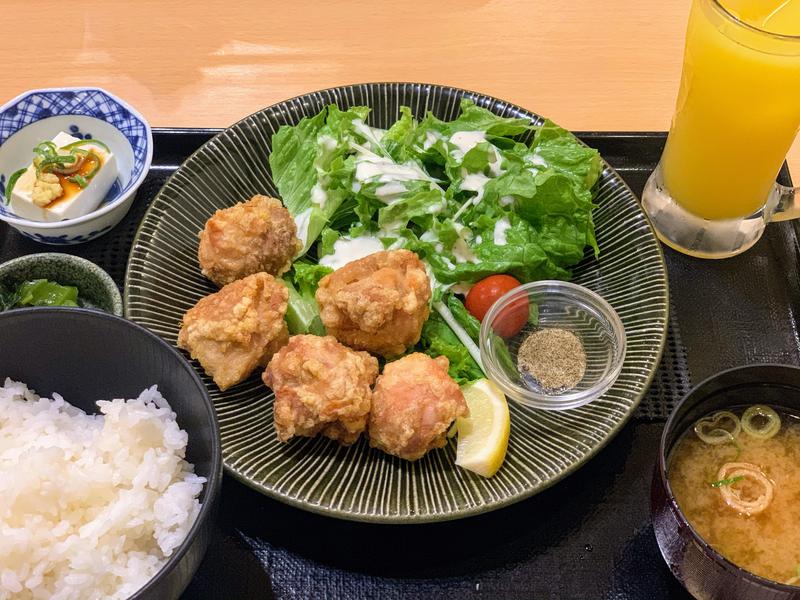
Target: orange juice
738, 107
776, 16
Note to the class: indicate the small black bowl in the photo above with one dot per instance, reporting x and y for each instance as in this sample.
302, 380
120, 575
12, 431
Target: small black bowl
88, 355
703, 571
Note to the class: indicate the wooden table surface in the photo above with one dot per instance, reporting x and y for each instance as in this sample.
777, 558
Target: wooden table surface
587, 64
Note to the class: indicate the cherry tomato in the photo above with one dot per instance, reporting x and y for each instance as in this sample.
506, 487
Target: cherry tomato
486, 292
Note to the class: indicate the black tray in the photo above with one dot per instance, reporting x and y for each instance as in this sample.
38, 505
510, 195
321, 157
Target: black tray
588, 537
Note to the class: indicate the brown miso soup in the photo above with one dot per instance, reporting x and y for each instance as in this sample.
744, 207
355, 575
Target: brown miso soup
736, 477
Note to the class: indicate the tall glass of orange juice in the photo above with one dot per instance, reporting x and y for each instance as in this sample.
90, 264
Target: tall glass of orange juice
738, 112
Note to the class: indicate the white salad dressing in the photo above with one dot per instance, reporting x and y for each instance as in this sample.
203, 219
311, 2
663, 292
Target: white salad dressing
301, 222
500, 229
464, 141
370, 167
373, 135
461, 250
538, 160
388, 229
328, 145
318, 195
431, 137
474, 182
435, 209
431, 277
327, 142
494, 165
431, 237
346, 250
390, 191
506, 200
461, 288
463, 253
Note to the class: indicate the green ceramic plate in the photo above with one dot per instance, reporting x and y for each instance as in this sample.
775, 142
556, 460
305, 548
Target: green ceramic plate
164, 280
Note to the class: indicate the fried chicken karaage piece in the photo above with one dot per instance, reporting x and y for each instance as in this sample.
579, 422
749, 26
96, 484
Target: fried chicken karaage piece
237, 329
413, 405
322, 387
250, 237
378, 303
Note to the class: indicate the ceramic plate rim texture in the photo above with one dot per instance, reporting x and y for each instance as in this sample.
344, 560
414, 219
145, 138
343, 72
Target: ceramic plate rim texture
330, 480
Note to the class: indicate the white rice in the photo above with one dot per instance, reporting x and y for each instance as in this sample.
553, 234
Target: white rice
91, 506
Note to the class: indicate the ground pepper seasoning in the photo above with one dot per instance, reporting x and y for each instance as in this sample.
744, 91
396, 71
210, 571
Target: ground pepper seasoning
554, 357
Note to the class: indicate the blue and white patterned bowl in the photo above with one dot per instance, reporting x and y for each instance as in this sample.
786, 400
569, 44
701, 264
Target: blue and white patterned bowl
85, 113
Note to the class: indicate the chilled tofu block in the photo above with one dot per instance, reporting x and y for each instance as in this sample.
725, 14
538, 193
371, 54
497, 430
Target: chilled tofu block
74, 201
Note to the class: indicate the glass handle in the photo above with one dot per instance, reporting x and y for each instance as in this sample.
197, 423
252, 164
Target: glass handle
787, 204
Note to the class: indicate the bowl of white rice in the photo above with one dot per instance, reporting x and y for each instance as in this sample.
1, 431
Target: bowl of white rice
110, 464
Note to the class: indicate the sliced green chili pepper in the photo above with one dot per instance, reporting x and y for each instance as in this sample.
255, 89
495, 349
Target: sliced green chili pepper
84, 142
80, 180
96, 168
45, 148
58, 160
12, 181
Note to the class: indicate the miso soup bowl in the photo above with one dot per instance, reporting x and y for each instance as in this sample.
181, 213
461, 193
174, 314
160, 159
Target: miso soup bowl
703, 571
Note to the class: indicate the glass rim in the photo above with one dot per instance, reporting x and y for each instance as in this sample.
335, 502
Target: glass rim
729, 15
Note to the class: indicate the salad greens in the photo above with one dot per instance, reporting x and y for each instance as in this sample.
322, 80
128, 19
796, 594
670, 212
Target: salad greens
438, 339
468, 196
302, 313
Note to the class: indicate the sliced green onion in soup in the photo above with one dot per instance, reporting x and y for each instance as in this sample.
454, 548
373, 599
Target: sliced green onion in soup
722, 427
761, 422
730, 481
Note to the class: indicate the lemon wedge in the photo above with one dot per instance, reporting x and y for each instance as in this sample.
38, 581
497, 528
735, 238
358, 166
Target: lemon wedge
483, 435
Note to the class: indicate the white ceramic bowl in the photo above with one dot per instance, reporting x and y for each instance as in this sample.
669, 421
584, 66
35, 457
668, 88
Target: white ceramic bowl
86, 113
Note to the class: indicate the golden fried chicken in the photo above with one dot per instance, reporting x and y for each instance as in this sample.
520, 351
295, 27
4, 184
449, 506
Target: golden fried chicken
237, 329
322, 387
378, 303
413, 405
249, 237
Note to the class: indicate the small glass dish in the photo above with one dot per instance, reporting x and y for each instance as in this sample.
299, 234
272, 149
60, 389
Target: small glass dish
553, 304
